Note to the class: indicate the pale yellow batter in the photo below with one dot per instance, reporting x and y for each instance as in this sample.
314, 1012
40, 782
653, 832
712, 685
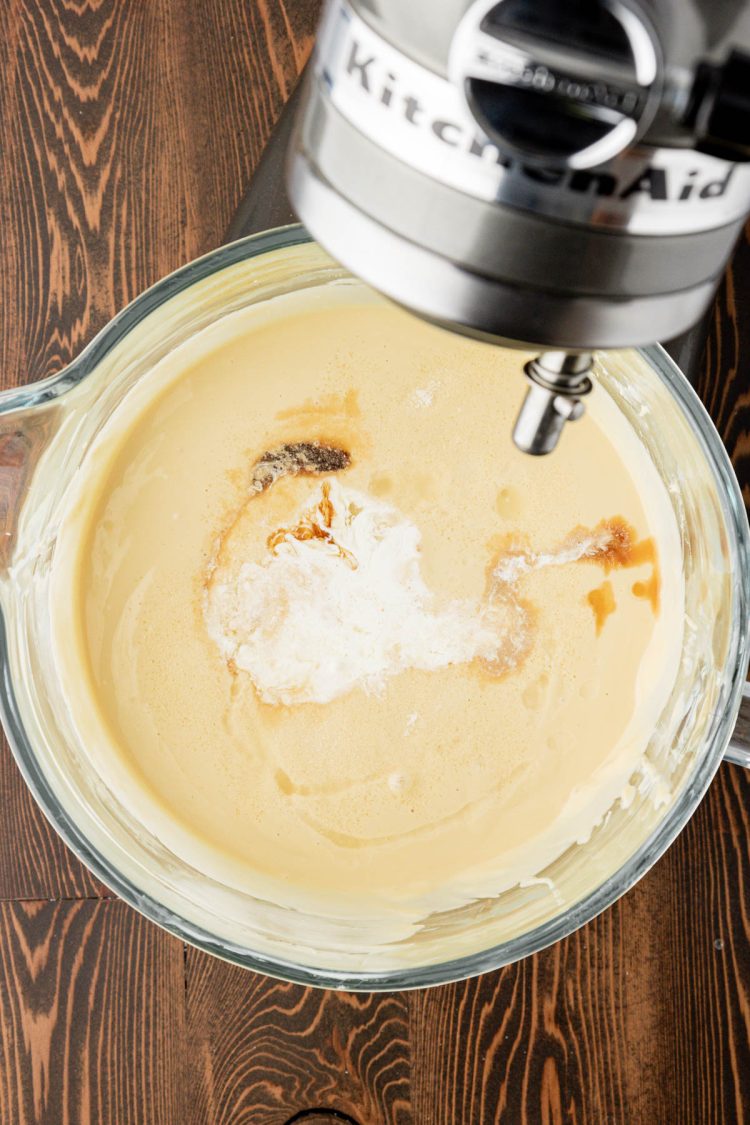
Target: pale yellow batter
451, 769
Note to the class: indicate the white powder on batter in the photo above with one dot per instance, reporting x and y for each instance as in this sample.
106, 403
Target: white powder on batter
340, 603
317, 618
512, 568
424, 396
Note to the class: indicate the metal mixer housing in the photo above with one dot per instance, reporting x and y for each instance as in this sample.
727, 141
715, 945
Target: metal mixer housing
569, 177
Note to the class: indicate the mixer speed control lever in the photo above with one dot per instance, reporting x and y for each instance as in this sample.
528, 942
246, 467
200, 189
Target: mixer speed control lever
558, 383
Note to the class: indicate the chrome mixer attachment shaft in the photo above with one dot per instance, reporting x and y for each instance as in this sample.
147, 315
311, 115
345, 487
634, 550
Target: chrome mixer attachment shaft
558, 382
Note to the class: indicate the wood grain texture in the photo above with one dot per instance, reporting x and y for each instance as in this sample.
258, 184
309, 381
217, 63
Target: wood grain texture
128, 131
76, 1045
34, 862
270, 1050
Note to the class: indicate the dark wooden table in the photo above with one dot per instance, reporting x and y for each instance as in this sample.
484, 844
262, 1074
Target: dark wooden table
128, 129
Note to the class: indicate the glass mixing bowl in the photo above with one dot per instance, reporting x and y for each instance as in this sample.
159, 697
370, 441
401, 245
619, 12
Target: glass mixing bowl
45, 432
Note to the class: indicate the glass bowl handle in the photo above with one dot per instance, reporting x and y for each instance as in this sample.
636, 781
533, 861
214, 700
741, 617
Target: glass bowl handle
738, 750
24, 435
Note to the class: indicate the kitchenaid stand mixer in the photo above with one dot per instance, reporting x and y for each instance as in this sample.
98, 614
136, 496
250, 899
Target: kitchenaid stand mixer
561, 177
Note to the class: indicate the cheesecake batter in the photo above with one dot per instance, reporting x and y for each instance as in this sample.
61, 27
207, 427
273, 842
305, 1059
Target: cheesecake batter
334, 638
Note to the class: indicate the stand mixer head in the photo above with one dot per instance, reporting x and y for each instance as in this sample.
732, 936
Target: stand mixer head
563, 177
